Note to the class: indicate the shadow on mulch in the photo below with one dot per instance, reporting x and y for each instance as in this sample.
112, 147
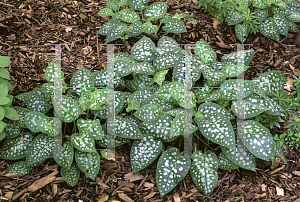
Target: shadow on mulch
27, 25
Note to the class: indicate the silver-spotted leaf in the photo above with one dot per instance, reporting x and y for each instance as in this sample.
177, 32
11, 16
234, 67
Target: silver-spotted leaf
148, 112
174, 25
210, 107
214, 78
269, 29
126, 129
171, 169
41, 149
135, 29
204, 171
31, 120
70, 110
231, 58
16, 148
67, 155
128, 15
225, 164
88, 163
164, 93
83, 141
144, 152
184, 101
160, 76
141, 94
49, 73
19, 167
166, 61
21, 112
233, 70
133, 105
138, 5
143, 50
155, 100
93, 126
156, 10
71, 175
83, 80
143, 68
218, 129
281, 24
241, 31
106, 12
113, 142
206, 53
240, 155
149, 28
46, 125
181, 125
229, 89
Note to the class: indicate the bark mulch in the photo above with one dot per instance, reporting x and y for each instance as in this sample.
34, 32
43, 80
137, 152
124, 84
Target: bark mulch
26, 26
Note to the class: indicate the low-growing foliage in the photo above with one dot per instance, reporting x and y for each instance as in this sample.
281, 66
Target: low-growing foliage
127, 23
151, 110
271, 18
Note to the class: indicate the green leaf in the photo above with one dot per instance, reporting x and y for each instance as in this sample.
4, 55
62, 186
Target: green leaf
240, 155
210, 107
70, 109
168, 44
241, 31
164, 93
135, 29
225, 164
31, 120
4, 90
15, 113
234, 18
202, 92
159, 77
83, 141
143, 50
174, 25
171, 169
126, 129
206, 53
159, 127
204, 171
144, 152
123, 2
71, 175
4, 61
214, 95
274, 109
278, 152
269, 29
48, 89
4, 73
231, 58
106, 12
113, 5
46, 125
258, 140
67, 155
49, 73
96, 99
149, 28
84, 79
181, 15
12, 131
229, 89
19, 167
2, 126
138, 5
41, 149
148, 112
93, 126
111, 142
261, 14
155, 100
2, 113
35, 101
82, 101
281, 24
108, 26
192, 21
16, 148
88, 163
10, 99
179, 95
175, 112
269, 82
218, 129
232, 70
156, 10
260, 4
142, 81
9, 86
128, 15
2, 135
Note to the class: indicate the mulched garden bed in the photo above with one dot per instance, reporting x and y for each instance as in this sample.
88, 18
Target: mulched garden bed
25, 28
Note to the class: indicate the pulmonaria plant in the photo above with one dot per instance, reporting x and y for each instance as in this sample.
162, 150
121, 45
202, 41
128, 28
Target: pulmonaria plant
150, 110
127, 23
271, 17
6, 112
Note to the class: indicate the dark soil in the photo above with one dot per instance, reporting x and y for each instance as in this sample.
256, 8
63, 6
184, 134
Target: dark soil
26, 26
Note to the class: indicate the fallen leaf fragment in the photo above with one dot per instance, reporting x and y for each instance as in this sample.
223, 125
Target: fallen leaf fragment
103, 198
216, 22
133, 177
280, 192
124, 197
295, 71
176, 197
42, 182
